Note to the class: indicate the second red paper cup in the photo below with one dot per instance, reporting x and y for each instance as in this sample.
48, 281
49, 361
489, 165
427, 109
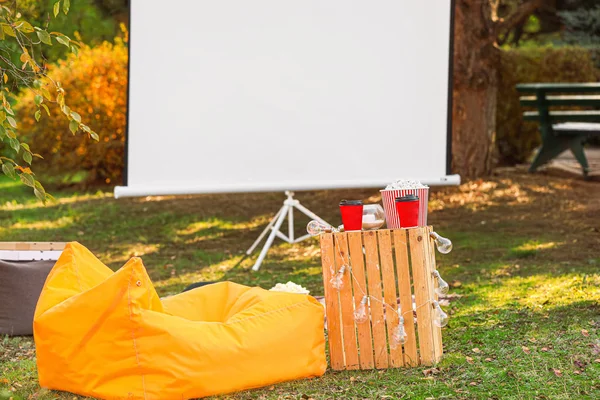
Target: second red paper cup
352, 211
408, 210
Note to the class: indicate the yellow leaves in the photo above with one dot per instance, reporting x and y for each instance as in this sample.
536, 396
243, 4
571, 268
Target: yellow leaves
94, 86
7, 29
60, 99
5, 78
23, 26
46, 94
11, 121
25, 170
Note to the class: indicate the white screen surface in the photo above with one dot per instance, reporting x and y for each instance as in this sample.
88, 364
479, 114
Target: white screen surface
249, 95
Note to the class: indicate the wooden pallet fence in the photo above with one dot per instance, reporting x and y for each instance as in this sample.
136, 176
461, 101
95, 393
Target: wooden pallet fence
385, 265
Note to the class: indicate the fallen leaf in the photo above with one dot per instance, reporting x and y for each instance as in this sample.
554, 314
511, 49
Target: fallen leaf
544, 349
473, 383
526, 350
557, 372
272, 388
576, 372
469, 360
532, 340
585, 333
456, 284
431, 371
579, 364
488, 359
352, 379
476, 350
597, 360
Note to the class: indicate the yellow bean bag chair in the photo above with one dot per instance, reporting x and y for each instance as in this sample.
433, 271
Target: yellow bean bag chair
108, 335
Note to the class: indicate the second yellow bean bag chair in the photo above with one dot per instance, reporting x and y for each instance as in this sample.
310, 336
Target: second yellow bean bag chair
109, 335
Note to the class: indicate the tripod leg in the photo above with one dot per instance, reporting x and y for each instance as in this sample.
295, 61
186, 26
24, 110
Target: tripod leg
264, 232
271, 237
309, 213
291, 224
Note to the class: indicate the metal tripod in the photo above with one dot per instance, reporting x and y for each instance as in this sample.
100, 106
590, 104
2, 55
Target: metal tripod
275, 225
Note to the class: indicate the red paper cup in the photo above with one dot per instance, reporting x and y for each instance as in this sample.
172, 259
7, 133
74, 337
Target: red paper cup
389, 196
352, 211
407, 208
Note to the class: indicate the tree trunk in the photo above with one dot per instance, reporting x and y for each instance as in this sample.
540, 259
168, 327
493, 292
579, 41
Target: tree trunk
475, 80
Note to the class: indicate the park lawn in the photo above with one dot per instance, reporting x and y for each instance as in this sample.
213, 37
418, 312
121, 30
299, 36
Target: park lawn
526, 263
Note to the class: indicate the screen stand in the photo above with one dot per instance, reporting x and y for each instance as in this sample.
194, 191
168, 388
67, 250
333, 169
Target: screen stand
275, 225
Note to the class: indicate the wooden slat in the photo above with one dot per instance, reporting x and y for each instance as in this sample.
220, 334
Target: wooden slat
365, 340
389, 294
417, 238
573, 100
565, 116
403, 270
334, 333
577, 128
374, 286
37, 246
430, 267
348, 327
560, 87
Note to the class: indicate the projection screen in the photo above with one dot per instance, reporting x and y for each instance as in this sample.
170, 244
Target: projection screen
266, 95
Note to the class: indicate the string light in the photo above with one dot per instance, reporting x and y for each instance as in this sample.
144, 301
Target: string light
440, 318
316, 227
399, 336
360, 314
443, 287
444, 245
337, 281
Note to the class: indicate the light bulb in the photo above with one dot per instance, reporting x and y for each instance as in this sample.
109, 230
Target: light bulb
315, 228
444, 245
443, 287
360, 314
399, 336
440, 318
337, 281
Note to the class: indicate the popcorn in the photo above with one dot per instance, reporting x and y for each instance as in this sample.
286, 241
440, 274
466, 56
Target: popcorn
405, 184
289, 287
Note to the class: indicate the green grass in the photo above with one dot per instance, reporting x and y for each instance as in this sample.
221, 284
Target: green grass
526, 262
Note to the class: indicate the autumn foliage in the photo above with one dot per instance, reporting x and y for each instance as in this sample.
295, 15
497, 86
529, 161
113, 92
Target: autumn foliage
96, 83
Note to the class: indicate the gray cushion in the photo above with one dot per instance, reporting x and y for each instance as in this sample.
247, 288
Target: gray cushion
21, 283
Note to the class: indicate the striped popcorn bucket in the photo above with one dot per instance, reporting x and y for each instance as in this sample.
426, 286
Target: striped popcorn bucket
391, 216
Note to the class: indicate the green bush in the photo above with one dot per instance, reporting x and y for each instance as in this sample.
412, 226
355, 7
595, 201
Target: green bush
516, 139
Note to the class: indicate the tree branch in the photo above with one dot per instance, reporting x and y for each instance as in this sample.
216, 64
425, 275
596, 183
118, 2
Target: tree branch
519, 15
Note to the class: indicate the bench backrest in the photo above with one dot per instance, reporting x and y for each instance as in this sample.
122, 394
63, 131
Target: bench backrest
570, 97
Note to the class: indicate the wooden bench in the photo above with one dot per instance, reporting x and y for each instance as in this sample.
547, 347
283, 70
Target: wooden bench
567, 128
